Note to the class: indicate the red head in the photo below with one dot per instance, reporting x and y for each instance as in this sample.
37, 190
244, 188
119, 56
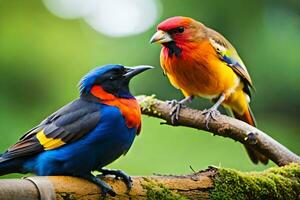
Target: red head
179, 30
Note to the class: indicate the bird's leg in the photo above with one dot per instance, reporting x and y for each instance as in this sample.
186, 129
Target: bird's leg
176, 106
213, 112
105, 188
118, 174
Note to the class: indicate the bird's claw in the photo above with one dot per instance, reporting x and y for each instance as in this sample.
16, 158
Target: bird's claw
172, 103
176, 107
210, 114
127, 179
175, 113
105, 188
119, 174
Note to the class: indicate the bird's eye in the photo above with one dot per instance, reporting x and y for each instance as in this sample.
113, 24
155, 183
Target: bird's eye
177, 30
111, 78
118, 71
180, 29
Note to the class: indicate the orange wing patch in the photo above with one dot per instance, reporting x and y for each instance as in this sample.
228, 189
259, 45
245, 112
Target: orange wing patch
48, 143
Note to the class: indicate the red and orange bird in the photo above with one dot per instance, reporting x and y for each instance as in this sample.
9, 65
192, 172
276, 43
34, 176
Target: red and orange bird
201, 62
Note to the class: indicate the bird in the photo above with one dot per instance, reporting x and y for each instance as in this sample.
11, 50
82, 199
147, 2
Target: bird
85, 135
201, 62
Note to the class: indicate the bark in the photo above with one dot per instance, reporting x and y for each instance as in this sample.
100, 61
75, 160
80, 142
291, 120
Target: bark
64, 187
223, 126
212, 183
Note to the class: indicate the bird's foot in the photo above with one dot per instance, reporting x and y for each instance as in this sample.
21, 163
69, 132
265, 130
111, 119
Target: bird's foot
176, 106
105, 188
210, 114
119, 174
172, 102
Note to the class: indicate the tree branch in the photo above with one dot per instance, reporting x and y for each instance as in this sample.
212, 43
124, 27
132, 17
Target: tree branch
213, 183
223, 126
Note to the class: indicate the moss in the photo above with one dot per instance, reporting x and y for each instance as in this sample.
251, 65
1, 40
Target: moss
147, 104
274, 183
147, 101
157, 191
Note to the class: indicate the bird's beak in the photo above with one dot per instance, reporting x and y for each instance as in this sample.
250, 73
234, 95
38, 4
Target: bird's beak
133, 71
161, 37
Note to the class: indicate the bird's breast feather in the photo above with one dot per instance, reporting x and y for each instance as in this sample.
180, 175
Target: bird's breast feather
129, 109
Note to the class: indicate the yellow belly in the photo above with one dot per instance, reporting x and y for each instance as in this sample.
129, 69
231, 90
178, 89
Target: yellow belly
202, 74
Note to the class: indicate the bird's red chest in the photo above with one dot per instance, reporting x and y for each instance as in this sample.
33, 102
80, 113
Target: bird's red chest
129, 108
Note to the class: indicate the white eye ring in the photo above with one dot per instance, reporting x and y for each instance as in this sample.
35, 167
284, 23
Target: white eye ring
111, 78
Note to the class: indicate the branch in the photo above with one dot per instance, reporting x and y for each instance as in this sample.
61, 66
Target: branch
223, 126
213, 183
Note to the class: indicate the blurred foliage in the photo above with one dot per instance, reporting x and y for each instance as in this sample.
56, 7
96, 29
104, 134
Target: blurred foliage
42, 57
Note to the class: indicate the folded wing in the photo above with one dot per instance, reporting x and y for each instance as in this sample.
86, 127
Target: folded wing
67, 125
229, 55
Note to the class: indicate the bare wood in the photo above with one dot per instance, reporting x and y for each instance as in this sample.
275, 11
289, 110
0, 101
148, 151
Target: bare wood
193, 186
13, 189
223, 126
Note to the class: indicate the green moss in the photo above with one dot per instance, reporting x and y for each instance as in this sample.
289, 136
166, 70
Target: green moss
147, 104
146, 101
156, 191
274, 183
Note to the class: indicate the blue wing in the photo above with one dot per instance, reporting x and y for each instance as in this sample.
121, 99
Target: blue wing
67, 125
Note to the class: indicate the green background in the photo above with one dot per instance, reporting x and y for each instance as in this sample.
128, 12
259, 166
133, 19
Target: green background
42, 58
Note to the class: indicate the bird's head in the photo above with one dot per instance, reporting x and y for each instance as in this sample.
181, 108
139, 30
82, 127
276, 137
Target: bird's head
110, 81
179, 30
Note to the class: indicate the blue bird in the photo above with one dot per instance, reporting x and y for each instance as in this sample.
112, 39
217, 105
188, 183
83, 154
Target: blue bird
84, 135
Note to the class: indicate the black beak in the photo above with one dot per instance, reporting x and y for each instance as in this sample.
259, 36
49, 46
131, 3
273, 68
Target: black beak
132, 71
